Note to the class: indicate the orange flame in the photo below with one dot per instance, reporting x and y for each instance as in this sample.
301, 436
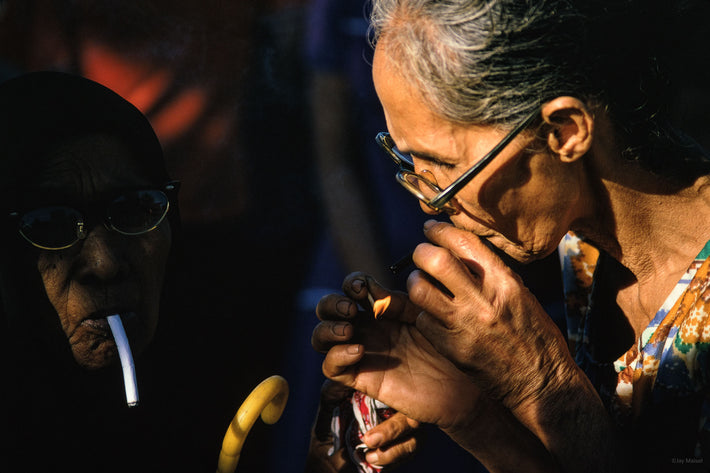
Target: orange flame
381, 305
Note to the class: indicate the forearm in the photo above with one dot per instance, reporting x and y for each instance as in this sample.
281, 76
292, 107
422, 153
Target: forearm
501, 443
571, 422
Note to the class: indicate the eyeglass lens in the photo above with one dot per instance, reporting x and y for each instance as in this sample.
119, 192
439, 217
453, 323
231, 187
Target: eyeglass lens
132, 213
424, 189
52, 227
137, 212
419, 185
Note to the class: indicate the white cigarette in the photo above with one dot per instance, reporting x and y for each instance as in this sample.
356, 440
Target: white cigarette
371, 299
124, 353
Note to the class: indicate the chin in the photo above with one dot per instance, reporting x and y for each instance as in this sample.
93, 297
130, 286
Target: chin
520, 253
95, 358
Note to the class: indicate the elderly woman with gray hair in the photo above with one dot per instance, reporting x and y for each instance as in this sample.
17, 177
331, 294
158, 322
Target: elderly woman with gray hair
538, 126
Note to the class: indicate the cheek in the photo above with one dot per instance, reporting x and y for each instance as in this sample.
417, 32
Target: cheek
527, 201
53, 268
503, 193
531, 187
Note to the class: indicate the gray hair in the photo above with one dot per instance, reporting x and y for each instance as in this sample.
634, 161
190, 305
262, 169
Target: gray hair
496, 61
482, 61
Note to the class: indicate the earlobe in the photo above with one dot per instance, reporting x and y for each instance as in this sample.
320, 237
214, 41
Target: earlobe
571, 127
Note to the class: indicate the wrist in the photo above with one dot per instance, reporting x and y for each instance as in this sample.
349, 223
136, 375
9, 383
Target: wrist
500, 442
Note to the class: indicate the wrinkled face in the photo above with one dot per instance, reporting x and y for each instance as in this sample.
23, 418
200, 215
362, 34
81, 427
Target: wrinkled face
106, 272
523, 202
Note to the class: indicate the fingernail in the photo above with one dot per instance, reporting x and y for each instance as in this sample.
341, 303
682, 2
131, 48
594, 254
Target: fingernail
339, 328
357, 285
353, 349
343, 307
429, 223
371, 458
373, 440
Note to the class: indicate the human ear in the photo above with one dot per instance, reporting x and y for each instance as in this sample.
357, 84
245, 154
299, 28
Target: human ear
571, 127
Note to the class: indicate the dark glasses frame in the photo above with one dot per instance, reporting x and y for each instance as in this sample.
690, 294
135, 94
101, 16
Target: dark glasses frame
441, 202
169, 190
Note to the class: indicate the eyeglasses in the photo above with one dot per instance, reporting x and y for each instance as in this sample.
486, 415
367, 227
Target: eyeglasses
429, 192
131, 213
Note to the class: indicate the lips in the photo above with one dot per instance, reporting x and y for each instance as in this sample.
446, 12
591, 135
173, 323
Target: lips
97, 322
99, 326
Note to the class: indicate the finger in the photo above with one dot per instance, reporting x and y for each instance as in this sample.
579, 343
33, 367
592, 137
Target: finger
336, 307
339, 361
329, 333
392, 454
367, 290
467, 246
390, 430
440, 266
355, 286
465, 285
447, 271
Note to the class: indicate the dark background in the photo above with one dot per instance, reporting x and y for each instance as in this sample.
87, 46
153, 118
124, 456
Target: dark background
225, 85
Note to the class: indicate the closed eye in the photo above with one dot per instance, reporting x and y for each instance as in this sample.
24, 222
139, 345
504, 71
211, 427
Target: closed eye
433, 161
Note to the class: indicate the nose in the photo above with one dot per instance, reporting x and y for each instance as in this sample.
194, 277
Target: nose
101, 256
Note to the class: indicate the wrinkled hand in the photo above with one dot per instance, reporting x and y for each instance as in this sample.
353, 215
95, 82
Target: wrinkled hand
390, 443
388, 358
492, 328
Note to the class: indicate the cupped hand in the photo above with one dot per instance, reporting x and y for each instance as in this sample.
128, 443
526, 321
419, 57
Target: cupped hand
489, 325
388, 358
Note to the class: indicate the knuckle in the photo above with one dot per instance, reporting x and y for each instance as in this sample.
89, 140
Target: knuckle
438, 259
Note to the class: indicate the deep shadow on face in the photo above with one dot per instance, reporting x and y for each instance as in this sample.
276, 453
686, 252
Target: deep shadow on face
107, 272
71, 142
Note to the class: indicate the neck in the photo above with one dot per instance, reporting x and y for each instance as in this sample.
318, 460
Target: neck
649, 227
654, 229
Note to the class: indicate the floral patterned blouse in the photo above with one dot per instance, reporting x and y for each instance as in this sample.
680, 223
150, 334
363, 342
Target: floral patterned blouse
657, 391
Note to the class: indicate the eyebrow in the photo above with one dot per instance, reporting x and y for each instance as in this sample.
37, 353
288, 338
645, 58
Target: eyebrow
429, 157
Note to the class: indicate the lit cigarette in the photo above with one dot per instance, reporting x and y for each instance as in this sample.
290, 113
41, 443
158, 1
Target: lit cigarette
379, 305
124, 353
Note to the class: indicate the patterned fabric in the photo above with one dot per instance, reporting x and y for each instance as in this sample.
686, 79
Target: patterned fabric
662, 380
350, 421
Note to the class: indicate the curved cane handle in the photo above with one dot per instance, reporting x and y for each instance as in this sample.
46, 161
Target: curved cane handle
268, 399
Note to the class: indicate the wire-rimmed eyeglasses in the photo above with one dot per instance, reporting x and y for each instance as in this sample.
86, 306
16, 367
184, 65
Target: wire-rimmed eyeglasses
429, 192
133, 212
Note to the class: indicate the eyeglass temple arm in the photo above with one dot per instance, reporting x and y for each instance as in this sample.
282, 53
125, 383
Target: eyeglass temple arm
447, 194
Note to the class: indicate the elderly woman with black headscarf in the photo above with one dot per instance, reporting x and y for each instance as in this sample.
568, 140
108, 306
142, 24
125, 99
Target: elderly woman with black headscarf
88, 221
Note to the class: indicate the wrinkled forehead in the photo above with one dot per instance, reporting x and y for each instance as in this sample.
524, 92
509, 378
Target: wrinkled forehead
81, 169
62, 132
